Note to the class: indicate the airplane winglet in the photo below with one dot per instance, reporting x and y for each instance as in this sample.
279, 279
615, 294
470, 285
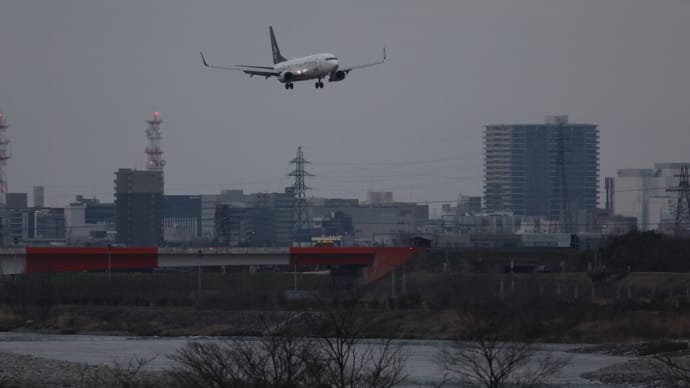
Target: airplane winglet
203, 59
384, 53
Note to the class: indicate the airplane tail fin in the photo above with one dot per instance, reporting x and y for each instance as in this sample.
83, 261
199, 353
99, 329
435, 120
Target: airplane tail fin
277, 58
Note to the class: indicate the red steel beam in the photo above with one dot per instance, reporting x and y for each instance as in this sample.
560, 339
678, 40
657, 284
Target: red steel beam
331, 256
67, 259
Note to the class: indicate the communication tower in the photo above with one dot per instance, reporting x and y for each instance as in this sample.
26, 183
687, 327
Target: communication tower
4, 155
154, 151
300, 190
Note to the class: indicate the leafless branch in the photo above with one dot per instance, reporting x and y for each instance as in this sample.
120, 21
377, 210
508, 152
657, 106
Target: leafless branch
488, 357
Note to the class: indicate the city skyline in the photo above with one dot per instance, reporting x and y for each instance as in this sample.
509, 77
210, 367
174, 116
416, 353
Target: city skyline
79, 80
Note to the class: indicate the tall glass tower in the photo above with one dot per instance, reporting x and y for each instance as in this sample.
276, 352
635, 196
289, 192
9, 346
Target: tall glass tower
548, 170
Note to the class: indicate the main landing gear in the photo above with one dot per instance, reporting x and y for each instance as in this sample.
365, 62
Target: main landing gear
289, 85
318, 84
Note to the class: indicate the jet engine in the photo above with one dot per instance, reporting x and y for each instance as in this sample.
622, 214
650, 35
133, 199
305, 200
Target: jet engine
337, 76
285, 76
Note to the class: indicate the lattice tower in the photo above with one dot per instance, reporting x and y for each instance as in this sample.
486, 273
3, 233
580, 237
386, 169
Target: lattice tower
566, 219
222, 225
683, 203
300, 189
4, 156
154, 151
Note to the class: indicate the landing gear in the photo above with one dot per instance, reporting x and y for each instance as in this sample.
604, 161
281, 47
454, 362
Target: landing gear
289, 85
318, 84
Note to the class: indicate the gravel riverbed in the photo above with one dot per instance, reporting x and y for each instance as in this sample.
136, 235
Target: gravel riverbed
643, 370
18, 370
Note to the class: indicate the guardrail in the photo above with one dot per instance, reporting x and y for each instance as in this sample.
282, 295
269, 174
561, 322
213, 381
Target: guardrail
224, 251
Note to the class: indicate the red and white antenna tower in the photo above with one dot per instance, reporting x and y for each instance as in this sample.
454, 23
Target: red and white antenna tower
4, 155
154, 151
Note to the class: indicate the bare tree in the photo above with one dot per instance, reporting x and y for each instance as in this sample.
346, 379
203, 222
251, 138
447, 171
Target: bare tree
130, 374
337, 357
486, 355
671, 364
205, 364
282, 359
386, 365
348, 360
122, 375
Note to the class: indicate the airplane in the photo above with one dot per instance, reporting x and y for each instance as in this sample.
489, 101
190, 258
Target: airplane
287, 71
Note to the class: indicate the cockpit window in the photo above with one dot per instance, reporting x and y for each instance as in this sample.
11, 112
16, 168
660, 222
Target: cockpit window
332, 59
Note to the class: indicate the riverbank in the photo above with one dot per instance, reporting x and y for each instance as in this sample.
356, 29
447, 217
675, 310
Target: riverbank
557, 307
189, 321
574, 324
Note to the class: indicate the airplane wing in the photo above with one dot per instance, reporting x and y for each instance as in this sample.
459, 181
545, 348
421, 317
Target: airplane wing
348, 69
264, 71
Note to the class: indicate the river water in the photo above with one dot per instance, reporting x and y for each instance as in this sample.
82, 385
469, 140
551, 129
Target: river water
421, 368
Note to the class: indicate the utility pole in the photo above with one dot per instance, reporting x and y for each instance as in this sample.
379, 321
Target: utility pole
110, 249
294, 269
200, 253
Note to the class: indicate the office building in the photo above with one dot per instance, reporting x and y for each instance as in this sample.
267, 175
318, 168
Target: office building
39, 196
379, 197
16, 201
19, 225
49, 225
541, 169
97, 212
181, 218
139, 207
260, 219
468, 205
368, 222
647, 194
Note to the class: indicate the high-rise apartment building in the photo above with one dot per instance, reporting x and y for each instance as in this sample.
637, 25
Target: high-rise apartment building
548, 170
139, 207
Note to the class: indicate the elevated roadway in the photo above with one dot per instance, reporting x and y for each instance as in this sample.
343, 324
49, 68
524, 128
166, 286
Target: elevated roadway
364, 264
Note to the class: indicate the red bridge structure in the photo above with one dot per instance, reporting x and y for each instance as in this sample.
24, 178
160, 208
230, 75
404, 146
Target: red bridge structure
356, 265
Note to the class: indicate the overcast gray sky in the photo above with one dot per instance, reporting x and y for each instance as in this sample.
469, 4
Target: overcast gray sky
79, 78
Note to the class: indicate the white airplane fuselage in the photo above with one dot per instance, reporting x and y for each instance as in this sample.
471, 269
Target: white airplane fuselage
315, 66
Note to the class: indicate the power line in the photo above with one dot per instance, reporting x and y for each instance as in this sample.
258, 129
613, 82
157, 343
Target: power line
446, 159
